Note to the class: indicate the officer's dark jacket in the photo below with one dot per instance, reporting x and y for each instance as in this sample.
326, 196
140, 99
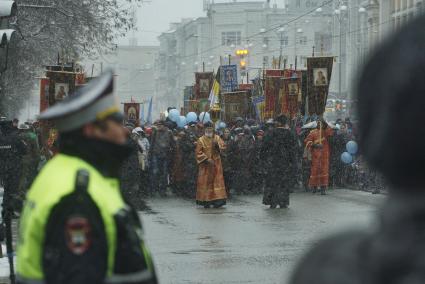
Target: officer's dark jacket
81, 241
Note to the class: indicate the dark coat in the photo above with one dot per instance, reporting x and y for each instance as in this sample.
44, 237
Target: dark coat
280, 164
130, 172
279, 153
394, 252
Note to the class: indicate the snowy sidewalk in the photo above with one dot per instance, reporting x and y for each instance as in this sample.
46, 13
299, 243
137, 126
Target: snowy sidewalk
4, 262
4, 267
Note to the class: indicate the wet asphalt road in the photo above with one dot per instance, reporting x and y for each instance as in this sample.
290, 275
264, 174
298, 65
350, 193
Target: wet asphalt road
246, 242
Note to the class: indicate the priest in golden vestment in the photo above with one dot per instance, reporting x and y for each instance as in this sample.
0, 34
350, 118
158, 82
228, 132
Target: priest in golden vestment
210, 190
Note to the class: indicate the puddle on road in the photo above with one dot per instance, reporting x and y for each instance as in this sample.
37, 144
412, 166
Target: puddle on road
199, 251
220, 212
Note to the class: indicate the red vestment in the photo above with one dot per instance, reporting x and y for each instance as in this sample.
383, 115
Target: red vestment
210, 185
318, 143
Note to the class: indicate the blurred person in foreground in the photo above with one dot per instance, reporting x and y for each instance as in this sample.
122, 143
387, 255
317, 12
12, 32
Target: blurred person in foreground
76, 227
390, 100
211, 190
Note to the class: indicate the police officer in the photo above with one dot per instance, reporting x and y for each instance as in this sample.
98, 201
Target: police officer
76, 227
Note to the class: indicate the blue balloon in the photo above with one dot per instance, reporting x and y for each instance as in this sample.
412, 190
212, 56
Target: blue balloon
352, 147
191, 117
346, 158
204, 117
181, 122
174, 115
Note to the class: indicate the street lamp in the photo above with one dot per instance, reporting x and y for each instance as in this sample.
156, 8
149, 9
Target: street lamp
339, 16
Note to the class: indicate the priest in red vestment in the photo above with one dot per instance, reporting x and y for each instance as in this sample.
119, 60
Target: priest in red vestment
317, 142
211, 190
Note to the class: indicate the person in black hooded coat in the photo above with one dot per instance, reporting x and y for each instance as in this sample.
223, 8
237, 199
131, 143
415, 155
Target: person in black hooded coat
279, 154
391, 107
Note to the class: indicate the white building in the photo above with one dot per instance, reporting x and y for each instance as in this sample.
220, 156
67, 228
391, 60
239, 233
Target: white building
359, 25
194, 45
134, 69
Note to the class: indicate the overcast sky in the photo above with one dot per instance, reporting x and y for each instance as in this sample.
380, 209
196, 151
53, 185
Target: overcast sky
154, 17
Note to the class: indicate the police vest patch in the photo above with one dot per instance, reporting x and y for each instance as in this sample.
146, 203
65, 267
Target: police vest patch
78, 235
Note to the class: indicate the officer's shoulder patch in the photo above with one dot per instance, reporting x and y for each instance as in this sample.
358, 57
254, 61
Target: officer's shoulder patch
78, 234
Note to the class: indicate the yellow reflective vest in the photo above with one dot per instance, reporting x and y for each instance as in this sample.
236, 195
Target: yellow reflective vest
57, 180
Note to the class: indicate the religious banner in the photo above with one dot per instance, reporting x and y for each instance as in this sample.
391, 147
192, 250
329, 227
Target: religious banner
290, 98
61, 83
80, 79
228, 78
132, 111
319, 71
203, 105
258, 103
235, 104
246, 87
273, 88
193, 106
204, 82
44, 94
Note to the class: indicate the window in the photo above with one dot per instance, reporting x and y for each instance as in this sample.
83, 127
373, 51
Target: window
266, 61
303, 40
310, 3
229, 38
285, 41
303, 61
298, 3
323, 42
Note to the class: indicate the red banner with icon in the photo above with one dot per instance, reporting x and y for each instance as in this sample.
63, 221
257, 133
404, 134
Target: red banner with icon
204, 82
291, 97
273, 87
132, 111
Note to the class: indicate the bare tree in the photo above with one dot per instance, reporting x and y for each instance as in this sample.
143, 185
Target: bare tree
46, 27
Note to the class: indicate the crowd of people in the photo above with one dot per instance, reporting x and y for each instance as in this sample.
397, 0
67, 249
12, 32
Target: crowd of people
272, 158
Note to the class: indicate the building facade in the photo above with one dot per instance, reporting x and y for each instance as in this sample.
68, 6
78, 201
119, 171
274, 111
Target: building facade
268, 32
134, 70
346, 29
